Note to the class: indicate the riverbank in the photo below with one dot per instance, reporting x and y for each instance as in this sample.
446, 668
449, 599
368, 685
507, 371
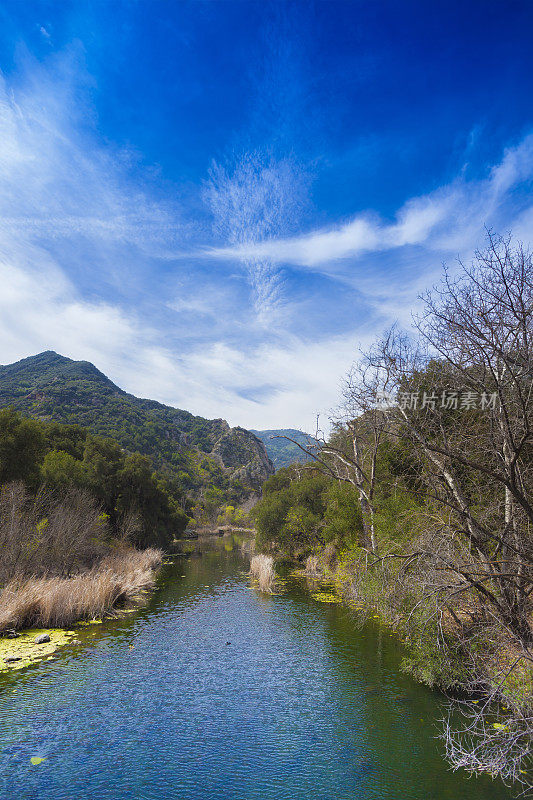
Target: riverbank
216, 690
32, 646
118, 581
490, 679
442, 651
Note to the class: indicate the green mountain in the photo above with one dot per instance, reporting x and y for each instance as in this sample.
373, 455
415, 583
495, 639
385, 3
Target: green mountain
281, 452
207, 457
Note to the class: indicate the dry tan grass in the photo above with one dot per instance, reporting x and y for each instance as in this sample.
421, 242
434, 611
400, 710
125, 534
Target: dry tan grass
59, 602
313, 566
262, 569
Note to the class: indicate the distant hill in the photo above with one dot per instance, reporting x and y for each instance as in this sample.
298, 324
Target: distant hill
281, 452
201, 454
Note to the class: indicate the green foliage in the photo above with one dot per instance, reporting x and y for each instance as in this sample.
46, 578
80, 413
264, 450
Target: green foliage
282, 479
124, 484
67, 438
233, 516
342, 517
73, 396
270, 515
60, 469
430, 664
139, 489
299, 512
301, 526
398, 519
22, 447
212, 499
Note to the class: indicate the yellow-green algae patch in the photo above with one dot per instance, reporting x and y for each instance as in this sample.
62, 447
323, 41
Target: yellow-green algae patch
277, 588
25, 649
326, 597
298, 573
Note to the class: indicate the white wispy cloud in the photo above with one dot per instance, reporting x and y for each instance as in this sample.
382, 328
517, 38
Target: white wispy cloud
41, 310
64, 198
57, 182
75, 219
267, 386
448, 219
255, 199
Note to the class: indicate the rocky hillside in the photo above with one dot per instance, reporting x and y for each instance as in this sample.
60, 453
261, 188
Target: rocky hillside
202, 455
282, 452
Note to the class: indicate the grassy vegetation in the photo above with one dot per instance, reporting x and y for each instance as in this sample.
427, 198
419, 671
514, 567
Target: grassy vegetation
262, 570
115, 581
73, 510
75, 507
53, 461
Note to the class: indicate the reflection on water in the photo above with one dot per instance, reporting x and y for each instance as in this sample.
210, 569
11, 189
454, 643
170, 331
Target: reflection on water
214, 691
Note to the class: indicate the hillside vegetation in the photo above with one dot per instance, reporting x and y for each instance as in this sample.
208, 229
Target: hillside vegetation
79, 519
94, 483
49, 464
211, 463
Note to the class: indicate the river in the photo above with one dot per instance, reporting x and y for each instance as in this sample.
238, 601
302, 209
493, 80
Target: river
216, 692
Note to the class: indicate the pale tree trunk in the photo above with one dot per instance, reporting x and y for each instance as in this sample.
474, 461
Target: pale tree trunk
365, 500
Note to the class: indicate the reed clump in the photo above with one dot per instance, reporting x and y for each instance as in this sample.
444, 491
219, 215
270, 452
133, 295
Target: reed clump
262, 570
53, 602
313, 567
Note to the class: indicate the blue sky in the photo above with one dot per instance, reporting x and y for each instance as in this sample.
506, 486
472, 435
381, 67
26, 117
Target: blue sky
218, 202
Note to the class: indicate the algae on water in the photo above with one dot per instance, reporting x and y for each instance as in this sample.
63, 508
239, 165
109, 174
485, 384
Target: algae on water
27, 652
326, 597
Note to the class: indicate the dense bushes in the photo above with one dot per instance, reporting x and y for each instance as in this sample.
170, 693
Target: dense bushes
62, 458
303, 509
22, 447
235, 517
71, 507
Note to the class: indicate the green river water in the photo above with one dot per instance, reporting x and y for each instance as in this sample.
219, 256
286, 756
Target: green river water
215, 691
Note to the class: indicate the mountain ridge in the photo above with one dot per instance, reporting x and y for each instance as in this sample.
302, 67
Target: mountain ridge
201, 453
282, 452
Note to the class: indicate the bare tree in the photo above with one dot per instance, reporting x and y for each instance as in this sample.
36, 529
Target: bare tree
47, 534
360, 425
464, 405
456, 397
469, 416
